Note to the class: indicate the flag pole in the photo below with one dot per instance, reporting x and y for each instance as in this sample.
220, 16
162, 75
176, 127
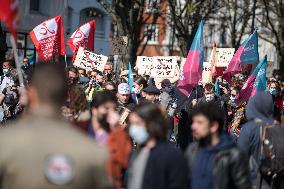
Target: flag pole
18, 66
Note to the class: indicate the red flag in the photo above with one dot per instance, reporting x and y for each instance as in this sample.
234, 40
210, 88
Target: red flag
9, 13
83, 36
48, 38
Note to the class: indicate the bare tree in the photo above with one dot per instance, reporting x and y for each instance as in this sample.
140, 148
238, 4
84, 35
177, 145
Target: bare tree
185, 16
273, 23
235, 16
129, 18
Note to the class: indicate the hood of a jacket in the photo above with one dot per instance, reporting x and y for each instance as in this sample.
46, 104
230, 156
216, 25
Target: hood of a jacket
260, 106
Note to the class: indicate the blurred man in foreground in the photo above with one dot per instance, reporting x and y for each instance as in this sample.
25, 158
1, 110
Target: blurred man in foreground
46, 152
214, 161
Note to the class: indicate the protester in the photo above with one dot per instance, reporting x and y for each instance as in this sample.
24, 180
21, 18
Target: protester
9, 98
236, 113
6, 79
154, 164
83, 78
139, 84
27, 70
275, 91
152, 93
75, 109
110, 86
108, 72
73, 76
123, 97
95, 85
107, 132
259, 112
46, 152
214, 160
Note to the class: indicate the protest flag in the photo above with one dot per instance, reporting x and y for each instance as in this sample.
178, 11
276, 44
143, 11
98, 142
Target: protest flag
217, 88
256, 82
48, 38
84, 36
130, 83
246, 54
192, 69
9, 14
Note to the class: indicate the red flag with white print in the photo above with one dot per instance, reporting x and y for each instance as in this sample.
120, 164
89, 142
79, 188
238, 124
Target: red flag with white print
48, 38
83, 37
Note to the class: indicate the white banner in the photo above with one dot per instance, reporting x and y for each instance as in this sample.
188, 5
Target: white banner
206, 73
224, 56
89, 60
144, 65
164, 66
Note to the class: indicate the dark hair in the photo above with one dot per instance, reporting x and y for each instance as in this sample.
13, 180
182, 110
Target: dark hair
156, 123
141, 81
77, 99
73, 69
209, 87
212, 111
236, 88
50, 83
102, 97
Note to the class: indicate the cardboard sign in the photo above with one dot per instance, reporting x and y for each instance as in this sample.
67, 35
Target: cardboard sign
119, 45
144, 65
158, 80
206, 73
89, 60
224, 56
164, 66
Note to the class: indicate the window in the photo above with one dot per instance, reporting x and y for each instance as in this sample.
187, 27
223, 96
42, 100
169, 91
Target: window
34, 5
88, 14
152, 5
151, 33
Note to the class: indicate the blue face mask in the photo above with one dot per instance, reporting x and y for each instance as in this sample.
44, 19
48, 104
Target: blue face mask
138, 133
273, 91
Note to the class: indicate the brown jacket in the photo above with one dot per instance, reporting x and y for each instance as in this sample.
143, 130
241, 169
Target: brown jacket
43, 152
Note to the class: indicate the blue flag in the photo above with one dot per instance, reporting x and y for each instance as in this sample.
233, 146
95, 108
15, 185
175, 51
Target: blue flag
130, 78
217, 88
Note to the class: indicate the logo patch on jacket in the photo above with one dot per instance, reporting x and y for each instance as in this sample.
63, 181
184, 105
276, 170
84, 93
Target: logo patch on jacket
59, 170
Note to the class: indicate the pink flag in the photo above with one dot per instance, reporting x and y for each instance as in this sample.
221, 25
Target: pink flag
192, 69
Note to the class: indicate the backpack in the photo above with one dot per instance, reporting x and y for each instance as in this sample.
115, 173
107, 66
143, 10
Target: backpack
272, 152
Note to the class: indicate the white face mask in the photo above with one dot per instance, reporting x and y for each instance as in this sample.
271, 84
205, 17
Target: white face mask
138, 133
209, 97
136, 91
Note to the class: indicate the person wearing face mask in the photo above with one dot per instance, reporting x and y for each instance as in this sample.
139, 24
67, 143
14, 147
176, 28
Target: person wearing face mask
236, 113
209, 95
26, 69
6, 79
73, 76
139, 84
155, 163
275, 91
105, 129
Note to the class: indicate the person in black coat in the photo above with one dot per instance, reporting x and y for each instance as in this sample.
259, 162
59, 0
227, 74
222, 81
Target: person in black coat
154, 164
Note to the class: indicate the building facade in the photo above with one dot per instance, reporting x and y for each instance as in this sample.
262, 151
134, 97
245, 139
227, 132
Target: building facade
74, 13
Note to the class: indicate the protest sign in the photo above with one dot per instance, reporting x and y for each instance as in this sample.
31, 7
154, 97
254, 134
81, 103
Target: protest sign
164, 66
158, 80
206, 73
144, 65
89, 60
224, 56
119, 45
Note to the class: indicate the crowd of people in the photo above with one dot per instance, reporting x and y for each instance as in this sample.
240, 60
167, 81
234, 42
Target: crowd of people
136, 138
